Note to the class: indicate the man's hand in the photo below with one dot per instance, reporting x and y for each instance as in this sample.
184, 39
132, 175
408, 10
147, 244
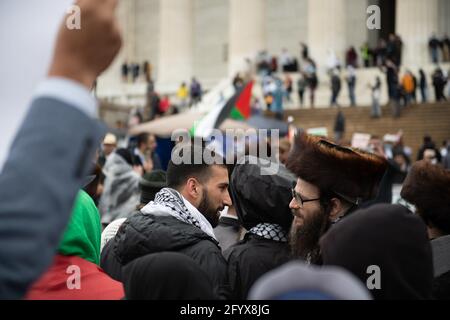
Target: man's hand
82, 55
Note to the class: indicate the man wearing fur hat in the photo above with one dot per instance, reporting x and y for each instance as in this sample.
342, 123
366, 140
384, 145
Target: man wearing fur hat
332, 181
427, 186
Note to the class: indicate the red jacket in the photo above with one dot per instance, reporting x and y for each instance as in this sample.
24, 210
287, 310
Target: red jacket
94, 283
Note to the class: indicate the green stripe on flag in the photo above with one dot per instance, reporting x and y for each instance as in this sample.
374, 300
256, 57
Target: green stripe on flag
236, 114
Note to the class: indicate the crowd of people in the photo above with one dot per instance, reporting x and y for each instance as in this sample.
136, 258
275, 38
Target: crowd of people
387, 56
319, 227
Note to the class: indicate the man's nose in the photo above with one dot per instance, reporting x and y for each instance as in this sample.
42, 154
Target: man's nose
227, 199
293, 204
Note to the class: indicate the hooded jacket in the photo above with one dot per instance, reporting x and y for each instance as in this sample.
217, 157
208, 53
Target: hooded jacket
75, 274
262, 205
121, 193
387, 238
166, 276
157, 231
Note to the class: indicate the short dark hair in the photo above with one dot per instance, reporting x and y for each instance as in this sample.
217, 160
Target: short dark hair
142, 138
178, 174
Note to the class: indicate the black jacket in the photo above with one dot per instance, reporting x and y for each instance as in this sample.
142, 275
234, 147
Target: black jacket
441, 287
227, 232
251, 258
145, 234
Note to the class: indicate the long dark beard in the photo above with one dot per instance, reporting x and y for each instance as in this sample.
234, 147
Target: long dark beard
304, 240
210, 213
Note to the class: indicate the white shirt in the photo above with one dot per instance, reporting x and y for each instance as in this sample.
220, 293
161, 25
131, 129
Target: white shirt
69, 92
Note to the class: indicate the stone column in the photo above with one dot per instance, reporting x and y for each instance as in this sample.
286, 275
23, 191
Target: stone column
247, 33
175, 43
416, 20
326, 30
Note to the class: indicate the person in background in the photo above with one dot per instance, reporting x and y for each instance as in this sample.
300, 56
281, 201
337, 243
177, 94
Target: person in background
301, 86
383, 260
434, 44
428, 143
150, 184
262, 204
78, 251
195, 92
166, 276
164, 105
297, 281
335, 87
439, 83
284, 148
423, 86
125, 70
182, 95
288, 87
145, 151
408, 87
95, 183
376, 96
109, 145
121, 191
339, 127
147, 69
228, 230
427, 187
351, 84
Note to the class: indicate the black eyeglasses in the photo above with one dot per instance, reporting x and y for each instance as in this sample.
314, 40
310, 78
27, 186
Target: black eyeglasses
299, 199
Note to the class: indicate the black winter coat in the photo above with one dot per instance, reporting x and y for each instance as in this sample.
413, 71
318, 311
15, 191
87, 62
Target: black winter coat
145, 234
251, 258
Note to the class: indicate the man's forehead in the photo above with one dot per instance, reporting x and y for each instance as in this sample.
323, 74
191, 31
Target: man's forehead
218, 171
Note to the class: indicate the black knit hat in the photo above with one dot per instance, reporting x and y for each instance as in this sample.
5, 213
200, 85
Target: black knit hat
150, 184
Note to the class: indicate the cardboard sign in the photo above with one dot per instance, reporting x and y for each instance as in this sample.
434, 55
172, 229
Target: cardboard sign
360, 140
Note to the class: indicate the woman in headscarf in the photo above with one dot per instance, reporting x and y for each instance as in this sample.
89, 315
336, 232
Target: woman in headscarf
166, 276
75, 273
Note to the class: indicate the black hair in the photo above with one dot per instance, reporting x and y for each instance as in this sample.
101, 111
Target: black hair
128, 156
194, 167
142, 138
325, 202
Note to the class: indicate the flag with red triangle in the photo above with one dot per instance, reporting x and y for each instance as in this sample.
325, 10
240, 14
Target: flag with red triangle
237, 107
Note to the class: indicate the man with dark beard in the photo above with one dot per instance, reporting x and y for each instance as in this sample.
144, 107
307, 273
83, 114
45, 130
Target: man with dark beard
180, 219
332, 182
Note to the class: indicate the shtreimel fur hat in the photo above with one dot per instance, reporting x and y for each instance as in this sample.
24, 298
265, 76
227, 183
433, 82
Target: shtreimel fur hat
351, 173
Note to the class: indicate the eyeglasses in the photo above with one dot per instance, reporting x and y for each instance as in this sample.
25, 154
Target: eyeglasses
299, 199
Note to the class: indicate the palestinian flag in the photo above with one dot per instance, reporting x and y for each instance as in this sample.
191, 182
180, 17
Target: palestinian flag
237, 107
241, 111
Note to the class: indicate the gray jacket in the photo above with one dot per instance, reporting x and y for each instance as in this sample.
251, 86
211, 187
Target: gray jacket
50, 155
